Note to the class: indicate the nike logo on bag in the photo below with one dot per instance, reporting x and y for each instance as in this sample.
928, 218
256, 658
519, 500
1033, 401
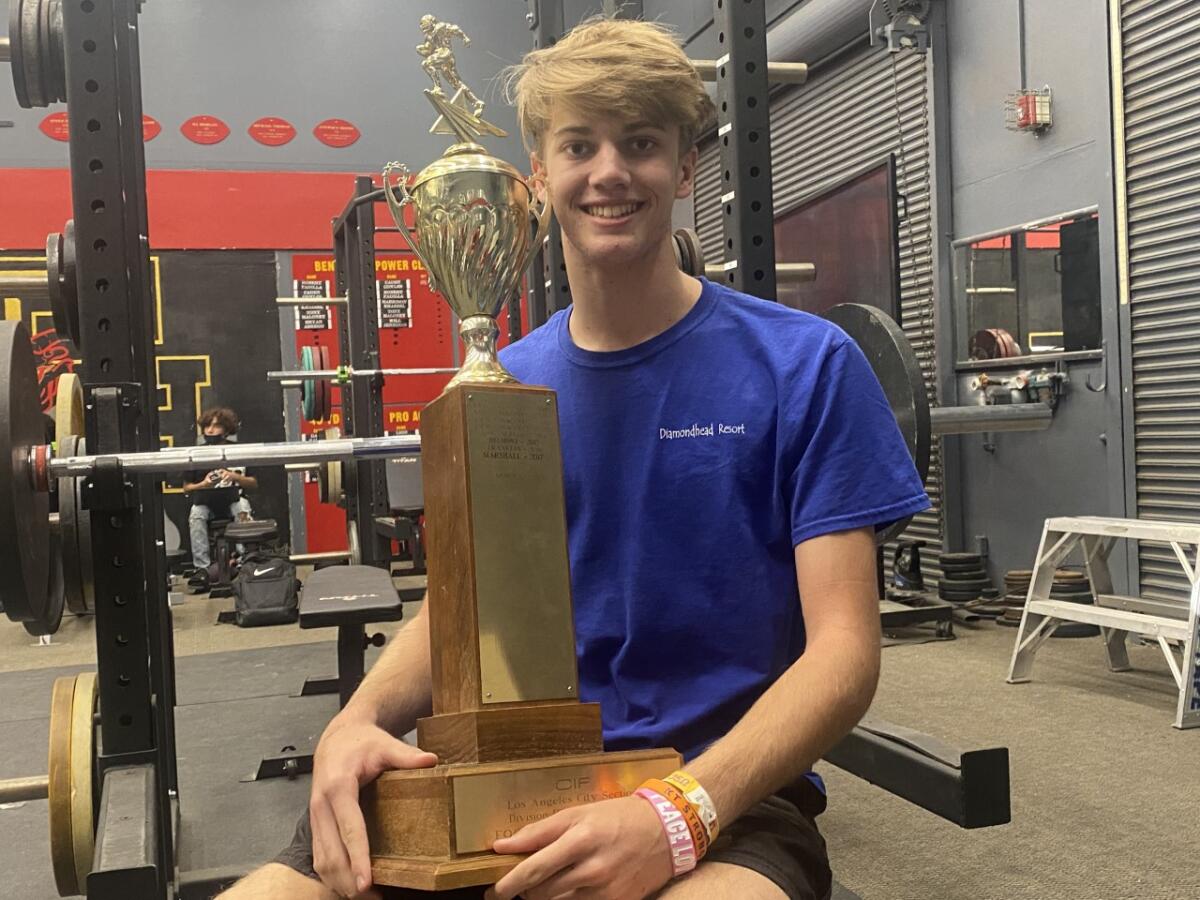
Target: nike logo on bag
258, 572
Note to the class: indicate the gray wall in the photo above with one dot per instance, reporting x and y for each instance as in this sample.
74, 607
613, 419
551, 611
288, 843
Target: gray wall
305, 61
999, 179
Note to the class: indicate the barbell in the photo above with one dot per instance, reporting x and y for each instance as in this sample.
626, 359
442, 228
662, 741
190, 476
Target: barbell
31, 550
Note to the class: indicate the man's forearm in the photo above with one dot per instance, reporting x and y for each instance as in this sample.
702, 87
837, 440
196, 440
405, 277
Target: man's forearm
801, 716
398, 689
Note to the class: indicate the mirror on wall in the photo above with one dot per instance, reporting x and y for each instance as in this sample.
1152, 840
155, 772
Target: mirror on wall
1029, 291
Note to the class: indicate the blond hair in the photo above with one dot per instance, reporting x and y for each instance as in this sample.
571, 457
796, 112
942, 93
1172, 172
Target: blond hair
613, 67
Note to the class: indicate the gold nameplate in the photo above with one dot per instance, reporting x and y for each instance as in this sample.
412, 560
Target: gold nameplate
523, 586
493, 805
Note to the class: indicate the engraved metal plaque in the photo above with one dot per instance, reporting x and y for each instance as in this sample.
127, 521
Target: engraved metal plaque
523, 584
499, 804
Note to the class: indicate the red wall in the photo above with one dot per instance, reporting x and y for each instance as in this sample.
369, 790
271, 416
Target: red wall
193, 210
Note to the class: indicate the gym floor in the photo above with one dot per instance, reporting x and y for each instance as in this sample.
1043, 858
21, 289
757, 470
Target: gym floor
1104, 790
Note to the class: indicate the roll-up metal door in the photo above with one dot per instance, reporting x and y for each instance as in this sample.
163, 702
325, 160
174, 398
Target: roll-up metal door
1159, 90
828, 130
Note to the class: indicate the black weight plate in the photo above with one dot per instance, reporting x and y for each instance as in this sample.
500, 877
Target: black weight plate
953, 558
55, 75
84, 535
17, 53
959, 596
895, 365
325, 386
55, 596
692, 252
71, 281
965, 570
24, 27
24, 512
966, 584
68, 519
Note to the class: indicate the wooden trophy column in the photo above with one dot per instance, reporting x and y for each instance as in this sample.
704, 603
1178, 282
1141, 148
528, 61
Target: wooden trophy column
513, 741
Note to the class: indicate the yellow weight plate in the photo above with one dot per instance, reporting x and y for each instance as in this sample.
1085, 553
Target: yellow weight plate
62, 851
83, 838
68, 407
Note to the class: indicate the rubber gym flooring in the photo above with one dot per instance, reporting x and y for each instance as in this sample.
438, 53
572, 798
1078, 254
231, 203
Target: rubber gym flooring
1104, 790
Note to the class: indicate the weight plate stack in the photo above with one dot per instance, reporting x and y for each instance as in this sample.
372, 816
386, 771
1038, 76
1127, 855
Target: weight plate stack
965, 579
1016, 589
1072, 586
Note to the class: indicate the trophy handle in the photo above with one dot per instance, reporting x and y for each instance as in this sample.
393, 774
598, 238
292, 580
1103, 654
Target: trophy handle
543, 217
398, 210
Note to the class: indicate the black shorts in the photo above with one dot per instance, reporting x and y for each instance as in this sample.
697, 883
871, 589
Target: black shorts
778, 838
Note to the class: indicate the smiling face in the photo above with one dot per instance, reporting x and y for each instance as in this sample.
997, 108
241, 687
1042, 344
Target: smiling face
613, 183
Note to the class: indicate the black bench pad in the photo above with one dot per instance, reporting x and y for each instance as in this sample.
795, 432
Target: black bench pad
252, 530
348, 595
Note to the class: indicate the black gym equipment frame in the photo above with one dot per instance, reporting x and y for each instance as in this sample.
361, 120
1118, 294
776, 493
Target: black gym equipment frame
136, 762
358, 337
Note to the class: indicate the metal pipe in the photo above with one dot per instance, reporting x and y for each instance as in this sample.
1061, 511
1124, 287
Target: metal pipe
182, 459
310, 301
1003, 417
785, 273
14, 282
325, 556
296, 375
5, 50
18, 790
780, 72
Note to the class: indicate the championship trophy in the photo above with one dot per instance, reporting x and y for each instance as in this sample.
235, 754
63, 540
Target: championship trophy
514, 742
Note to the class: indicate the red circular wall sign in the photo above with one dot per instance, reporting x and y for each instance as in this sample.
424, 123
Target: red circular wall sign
272, 131
204, 130
55, 126
150, 128
336, 133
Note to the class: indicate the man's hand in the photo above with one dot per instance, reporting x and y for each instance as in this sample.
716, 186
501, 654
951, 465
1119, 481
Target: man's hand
352, 752
610, 849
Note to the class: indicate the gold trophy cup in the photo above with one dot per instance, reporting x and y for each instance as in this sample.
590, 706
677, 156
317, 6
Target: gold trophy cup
513, 740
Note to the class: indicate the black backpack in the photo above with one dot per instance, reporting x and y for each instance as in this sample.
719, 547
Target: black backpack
265, 591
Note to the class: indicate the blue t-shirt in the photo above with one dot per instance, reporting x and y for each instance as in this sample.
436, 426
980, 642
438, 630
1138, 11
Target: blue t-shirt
694, 463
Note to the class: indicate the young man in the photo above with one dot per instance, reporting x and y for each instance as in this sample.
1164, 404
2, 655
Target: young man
724, 456
216, 494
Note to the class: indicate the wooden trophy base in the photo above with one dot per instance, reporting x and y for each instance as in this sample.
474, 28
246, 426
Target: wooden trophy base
432, 829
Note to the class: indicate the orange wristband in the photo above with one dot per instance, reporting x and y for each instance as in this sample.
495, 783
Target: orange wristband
699, 798
680, 802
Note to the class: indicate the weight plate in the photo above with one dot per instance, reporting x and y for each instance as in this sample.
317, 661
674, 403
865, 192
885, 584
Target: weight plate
678, 249
960, 558
691, 251
83, 711
24, 512
308, 386
55, 597
895, 365
966, 584
336, 489
31, 91
83, 534
324, 386
68, 521
68, 407
55, 72
17, 53
71, 796
62, 849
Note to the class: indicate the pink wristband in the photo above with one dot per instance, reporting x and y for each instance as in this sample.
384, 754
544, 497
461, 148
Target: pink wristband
679, 836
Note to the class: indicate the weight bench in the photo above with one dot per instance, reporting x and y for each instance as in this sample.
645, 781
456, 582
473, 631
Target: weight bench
347, 598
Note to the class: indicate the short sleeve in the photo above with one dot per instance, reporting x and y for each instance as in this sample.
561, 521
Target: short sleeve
849, 466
